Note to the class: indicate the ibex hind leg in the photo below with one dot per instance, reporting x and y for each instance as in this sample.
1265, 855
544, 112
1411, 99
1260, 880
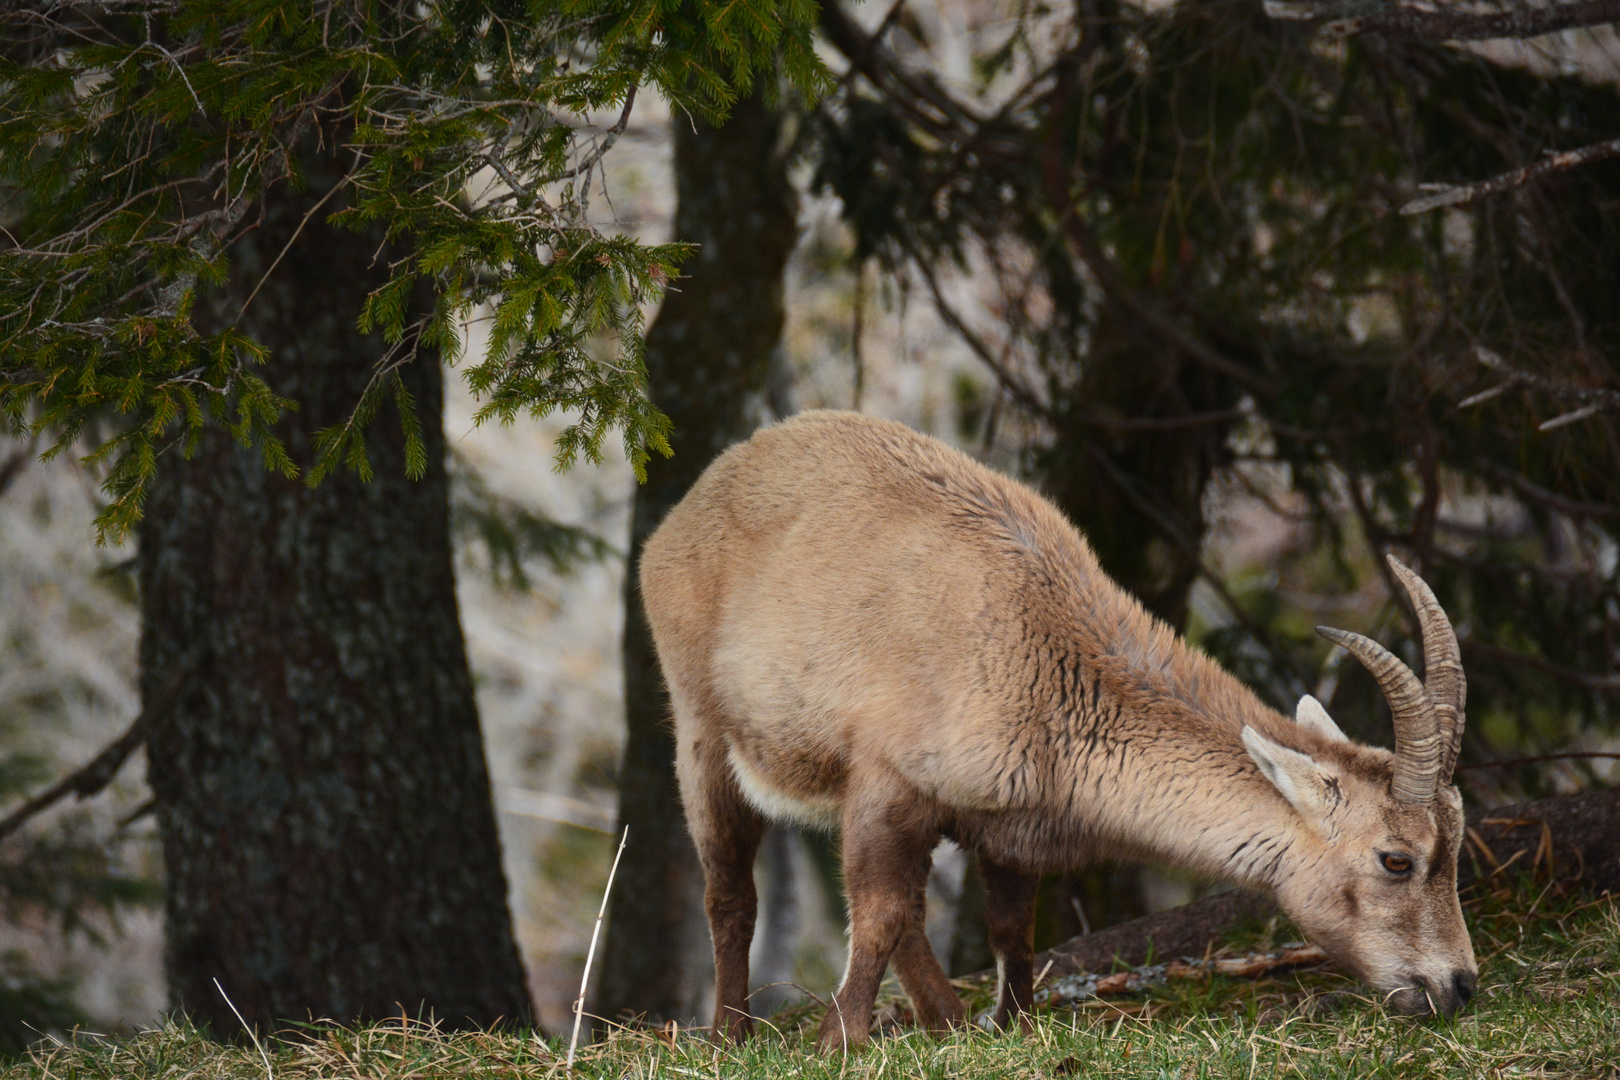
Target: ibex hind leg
727, 833
886, 856
1009, 900
932, 996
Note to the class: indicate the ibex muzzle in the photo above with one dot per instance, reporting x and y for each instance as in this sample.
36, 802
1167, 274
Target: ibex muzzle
862, 628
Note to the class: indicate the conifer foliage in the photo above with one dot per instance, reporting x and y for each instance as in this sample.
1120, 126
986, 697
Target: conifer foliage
1347, 269
140, 137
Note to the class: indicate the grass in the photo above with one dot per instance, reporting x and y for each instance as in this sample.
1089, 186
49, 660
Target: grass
1549, 1006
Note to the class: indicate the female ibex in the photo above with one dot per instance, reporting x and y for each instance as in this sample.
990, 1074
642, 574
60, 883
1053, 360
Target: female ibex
862, 628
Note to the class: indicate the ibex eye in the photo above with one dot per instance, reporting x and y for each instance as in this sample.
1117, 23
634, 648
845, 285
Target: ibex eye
1396, 864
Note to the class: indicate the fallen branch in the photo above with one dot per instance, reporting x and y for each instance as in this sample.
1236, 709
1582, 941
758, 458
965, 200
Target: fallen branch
1572, 838
1455, 195
1182, 931
1070, 989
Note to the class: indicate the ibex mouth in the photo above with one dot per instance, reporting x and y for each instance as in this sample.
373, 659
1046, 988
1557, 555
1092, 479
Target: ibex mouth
1419, 997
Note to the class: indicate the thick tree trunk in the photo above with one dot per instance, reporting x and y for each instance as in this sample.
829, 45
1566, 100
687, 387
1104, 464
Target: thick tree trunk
328, 833
708, 356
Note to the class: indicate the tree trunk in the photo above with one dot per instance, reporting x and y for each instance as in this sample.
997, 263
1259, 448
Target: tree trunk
708, 355
328, 833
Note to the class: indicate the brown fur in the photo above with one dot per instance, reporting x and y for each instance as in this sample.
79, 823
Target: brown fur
863, 628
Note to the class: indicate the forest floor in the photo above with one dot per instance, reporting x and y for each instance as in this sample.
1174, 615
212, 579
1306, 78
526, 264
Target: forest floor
1548, 1006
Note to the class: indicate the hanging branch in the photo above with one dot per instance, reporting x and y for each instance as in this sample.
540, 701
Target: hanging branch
930, 105
1009, 381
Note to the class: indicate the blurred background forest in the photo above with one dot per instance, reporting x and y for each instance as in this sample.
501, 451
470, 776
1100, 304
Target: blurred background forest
1151, 258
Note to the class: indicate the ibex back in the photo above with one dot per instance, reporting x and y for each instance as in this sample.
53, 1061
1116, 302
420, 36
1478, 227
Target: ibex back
864, 629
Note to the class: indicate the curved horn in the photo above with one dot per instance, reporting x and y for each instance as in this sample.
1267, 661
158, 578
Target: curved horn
1442, 665
1417, 729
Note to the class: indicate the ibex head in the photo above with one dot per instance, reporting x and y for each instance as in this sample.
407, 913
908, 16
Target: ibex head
1377, 887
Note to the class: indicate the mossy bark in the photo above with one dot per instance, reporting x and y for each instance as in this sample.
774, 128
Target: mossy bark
708, 360
329, 838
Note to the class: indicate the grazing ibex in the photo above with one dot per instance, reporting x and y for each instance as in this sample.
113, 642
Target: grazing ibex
862, 628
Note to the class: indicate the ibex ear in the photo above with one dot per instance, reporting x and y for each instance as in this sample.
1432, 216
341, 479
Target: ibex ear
1310, 715
1308, 786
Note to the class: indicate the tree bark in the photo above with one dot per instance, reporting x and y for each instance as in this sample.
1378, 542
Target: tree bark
329, 838
708, 355
1574, 838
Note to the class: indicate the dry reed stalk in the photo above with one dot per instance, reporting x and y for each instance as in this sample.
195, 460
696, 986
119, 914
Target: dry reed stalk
269, 1075
590, 955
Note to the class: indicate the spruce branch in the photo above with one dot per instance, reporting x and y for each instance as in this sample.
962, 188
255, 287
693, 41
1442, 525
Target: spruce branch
130, 189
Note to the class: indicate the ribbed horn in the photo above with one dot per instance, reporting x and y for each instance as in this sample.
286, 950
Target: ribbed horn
1443, 674
1417, 729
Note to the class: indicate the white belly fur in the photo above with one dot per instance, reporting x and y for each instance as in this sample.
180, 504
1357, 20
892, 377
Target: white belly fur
777, 805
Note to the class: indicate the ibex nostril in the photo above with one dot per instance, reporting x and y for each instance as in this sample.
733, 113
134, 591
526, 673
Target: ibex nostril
1464, 983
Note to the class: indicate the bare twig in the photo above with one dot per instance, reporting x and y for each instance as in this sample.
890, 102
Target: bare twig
1570, 417
1483, 396
84, 782
590, 955
1454, 195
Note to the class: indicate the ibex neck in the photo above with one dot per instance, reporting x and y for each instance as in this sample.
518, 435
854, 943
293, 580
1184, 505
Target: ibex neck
1200, 804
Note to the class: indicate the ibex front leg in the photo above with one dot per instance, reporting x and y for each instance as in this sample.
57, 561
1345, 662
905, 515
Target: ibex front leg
888, 842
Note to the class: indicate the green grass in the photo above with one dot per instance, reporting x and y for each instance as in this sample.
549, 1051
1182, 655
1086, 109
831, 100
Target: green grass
1549, 1006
